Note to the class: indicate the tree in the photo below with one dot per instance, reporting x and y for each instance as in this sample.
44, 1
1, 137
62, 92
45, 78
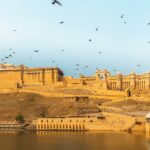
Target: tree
20, 118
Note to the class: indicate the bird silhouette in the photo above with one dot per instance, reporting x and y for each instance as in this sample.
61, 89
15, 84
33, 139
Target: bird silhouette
148, 24
99, 52
56, 2
97, 29
90, 40
122, 16
36, 51
62, 50
125, 22
14, 30
62, 22
138, 65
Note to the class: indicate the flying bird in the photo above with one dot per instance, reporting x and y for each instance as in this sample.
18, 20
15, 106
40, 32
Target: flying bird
125, 22
122, 16
138, 65
56, 2
99, 52
97, 29
14, 30
62, 50
148, 24
36, 51
62, 22
90, 40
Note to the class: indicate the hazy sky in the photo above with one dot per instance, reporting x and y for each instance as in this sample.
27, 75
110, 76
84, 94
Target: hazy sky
123, 46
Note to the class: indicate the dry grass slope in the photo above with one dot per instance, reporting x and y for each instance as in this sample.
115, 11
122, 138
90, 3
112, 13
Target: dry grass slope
33, 105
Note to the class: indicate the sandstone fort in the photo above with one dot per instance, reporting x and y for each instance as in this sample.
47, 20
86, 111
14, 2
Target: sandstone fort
21, 76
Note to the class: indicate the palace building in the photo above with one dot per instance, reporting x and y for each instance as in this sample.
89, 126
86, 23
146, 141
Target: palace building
103, 80
24, 76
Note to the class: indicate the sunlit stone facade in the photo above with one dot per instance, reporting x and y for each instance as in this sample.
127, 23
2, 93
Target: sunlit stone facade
11, 75
69, 123
105, 81
24, 76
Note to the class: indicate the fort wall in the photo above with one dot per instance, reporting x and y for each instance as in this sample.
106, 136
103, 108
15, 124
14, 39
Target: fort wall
101, 80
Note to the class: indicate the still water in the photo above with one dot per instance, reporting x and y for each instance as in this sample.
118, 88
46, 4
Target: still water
73, 141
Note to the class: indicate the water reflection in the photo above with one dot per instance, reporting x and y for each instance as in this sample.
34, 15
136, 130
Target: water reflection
14, 140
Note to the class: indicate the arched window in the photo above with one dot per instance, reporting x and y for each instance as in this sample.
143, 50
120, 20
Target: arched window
50, 126
77, 127
38, 126
70, 126
41, 126
60, 126
83, 126
53, 126
47, 126
44, 126
66, 126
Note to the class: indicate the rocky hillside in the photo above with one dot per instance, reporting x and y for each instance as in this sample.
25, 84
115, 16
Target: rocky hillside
33, 105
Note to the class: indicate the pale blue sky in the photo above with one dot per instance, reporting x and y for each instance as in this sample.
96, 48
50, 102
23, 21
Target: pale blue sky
123, 46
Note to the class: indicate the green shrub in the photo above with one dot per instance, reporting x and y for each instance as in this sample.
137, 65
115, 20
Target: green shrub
20, 118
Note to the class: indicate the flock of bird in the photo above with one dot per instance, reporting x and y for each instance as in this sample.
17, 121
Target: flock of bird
77, 66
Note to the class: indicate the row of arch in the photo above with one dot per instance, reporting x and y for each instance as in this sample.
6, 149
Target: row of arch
113, 85
141, 85
60, 127
125, 85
